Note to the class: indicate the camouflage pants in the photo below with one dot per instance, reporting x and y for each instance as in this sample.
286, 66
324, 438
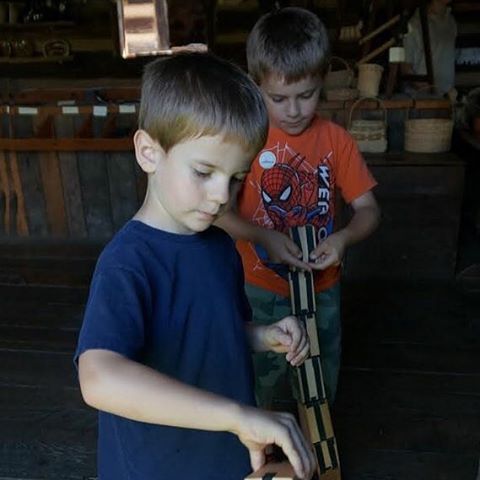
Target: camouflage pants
275, 380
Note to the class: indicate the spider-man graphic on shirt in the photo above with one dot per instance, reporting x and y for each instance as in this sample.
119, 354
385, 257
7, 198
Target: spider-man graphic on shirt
294, 194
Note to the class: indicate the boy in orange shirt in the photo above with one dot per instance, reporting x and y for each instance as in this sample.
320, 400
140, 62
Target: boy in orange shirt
292, 182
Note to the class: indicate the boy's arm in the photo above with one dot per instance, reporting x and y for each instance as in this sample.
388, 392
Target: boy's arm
116, 384
279, 247
364, 221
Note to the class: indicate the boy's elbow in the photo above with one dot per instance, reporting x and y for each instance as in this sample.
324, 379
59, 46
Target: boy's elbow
91, 379
89, 387
374, 211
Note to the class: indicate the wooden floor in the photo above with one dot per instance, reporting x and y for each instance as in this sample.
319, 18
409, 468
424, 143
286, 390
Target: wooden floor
408, 405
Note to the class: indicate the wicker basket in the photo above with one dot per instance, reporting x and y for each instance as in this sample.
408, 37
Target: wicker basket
339, 78
428, 135
341, 94
371, 135
369, 76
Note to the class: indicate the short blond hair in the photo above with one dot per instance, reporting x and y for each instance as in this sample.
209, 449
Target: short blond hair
291, 43
191, 95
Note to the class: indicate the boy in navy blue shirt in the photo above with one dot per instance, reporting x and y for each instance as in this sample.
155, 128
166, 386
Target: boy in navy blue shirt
163, 352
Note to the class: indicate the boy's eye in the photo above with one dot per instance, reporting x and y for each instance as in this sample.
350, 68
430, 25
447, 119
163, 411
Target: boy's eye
200, 173
307, 95
238, 179
277, 99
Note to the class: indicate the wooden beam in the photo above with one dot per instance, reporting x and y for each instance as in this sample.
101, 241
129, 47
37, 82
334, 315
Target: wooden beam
21, 224
66, 144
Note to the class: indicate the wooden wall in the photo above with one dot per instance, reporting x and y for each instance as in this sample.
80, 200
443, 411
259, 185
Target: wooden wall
68, 171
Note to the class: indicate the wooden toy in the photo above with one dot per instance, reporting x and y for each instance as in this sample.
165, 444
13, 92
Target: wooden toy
313, 411
274, 471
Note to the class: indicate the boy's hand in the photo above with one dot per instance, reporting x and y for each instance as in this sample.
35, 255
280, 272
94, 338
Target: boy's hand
282, 249
288, 336
328, 253
258, 428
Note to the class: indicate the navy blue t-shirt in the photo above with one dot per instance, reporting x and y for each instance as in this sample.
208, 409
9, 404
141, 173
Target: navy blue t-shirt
175, 303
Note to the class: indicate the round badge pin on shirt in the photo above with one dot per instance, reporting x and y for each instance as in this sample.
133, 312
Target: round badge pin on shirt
267, 159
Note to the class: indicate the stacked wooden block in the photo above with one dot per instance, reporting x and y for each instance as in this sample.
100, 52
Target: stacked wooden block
314, 412
273, 471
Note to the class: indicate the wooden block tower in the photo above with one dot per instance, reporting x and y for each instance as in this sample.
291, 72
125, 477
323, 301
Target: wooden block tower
314, 411
313, 407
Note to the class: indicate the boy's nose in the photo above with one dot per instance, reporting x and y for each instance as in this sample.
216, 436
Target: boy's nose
220, 193
293, 109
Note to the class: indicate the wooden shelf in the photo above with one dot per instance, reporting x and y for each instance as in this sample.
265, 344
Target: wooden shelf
66, 144
420, 103
31, 26
245, 6
403, 159
38, 59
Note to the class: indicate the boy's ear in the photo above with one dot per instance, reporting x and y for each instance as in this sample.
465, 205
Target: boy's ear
147, 151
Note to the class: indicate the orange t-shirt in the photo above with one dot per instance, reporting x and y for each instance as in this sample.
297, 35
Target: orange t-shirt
292, 182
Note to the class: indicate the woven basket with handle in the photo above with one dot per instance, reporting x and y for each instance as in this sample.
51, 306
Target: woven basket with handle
428, 135
371, 135
342, 78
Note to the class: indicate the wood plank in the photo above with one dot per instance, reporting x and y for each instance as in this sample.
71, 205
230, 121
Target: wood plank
415, 391
52, 425
16, 294
6, 194
42, 399
410, 159
369, 464
66, 144
273, 471
33, 193
122, 187
94, 182
53, 191
49, 248
420, 179
38, 459
64, 127
409, 430
95, 194
108, 92
21, 224
425, 199
421, 104
65, 316
417, 357
28, 173
33, 367
412, 310
56, 271
39, 337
